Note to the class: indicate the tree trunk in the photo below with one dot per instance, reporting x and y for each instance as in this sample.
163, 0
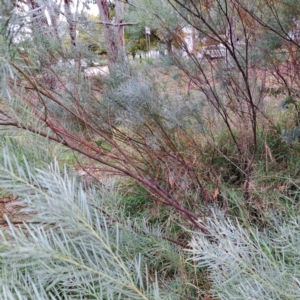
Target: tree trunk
119, 30
54, 13
72, 25
40, 25
44, 33
114, 35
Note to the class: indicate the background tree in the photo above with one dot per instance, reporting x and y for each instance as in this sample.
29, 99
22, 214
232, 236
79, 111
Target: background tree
71, 22
113, 29
136, 40
157, 16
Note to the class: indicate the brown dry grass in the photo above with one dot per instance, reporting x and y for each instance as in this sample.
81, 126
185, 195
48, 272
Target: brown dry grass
10, 208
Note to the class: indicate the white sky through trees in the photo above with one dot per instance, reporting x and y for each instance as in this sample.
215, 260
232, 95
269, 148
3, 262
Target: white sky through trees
93, 8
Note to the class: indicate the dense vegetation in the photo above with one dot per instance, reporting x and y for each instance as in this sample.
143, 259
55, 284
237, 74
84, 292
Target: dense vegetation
174, 177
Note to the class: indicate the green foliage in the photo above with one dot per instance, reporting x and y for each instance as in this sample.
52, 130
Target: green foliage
90, 35
135, 203
273, 142
156, 15
135, 40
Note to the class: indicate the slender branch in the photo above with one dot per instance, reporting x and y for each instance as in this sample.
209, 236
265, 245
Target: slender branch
109, 23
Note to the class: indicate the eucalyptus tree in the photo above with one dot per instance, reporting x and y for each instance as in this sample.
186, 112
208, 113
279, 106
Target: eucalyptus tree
113, 28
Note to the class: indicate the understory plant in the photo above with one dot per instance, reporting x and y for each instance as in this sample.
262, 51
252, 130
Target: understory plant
246, 263
75, 244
